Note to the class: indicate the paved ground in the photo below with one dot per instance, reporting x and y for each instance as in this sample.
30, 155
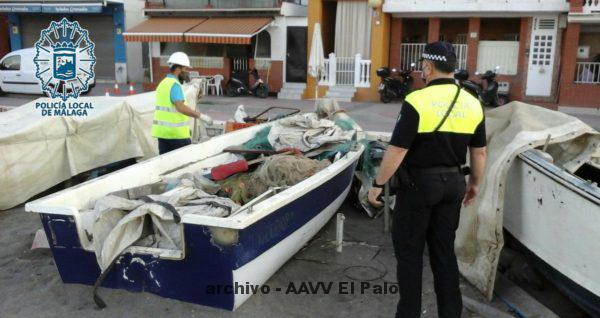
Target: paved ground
30, 285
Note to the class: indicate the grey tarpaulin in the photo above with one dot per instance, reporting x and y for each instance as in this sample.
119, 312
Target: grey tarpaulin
512, 129
306, 132
119, 222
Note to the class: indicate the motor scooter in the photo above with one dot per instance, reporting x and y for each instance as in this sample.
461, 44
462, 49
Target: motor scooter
236, 87
488, 93
393, 87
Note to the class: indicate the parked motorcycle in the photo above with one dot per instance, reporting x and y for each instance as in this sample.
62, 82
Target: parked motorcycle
236, 87
393, 87
489, 95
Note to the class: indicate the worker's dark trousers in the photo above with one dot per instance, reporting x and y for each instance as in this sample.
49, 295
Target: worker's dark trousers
166, 145
428, 212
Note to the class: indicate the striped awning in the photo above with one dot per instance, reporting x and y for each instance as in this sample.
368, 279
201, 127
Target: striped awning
161, 29
227, 30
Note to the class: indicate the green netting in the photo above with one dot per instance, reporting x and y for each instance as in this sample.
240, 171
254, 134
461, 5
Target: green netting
346, 124
343, 148
260, 140
367, 164
236, 188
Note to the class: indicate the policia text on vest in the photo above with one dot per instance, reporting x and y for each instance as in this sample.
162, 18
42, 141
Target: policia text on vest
429, 209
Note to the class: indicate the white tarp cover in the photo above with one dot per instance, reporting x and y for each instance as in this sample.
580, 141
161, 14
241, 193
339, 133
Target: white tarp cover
37, 153
119, 222
306, 132
512, 129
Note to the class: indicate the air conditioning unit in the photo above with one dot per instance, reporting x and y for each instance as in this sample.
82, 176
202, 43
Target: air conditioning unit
583, 52
503, 87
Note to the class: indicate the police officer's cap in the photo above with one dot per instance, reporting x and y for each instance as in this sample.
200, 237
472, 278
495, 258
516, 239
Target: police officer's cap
439, 51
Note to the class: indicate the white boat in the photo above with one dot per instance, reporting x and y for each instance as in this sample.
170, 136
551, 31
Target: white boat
555, 215
243, 249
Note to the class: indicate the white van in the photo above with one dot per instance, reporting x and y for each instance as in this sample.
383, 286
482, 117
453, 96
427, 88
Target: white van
17, 73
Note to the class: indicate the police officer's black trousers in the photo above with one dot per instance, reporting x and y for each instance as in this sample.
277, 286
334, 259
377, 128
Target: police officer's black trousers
428, 212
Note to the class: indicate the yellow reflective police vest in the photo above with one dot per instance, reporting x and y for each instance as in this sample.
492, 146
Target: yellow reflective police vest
168, 122
432, 102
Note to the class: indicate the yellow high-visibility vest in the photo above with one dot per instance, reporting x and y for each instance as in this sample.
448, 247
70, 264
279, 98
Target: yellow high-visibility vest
432, 102
168, 122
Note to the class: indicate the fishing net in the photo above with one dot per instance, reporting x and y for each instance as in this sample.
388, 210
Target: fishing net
368, 161
284, 170
236, 188
346, 124
333, 149
276, 171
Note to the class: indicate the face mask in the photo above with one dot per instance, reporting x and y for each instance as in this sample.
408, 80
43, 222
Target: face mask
423, 77
184, 77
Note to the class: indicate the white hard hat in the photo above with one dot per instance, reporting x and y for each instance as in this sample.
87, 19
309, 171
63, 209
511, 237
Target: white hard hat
179, 58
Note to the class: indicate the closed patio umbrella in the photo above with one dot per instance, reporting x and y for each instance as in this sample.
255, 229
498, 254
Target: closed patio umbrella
316, 61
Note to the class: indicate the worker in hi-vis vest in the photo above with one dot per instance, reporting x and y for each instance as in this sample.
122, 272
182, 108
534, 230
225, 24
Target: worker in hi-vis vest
171, 114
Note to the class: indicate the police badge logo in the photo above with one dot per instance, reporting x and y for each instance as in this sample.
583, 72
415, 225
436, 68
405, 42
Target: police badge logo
64, 59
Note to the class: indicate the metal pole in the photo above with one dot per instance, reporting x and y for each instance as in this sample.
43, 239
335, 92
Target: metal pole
386, 208
339, 232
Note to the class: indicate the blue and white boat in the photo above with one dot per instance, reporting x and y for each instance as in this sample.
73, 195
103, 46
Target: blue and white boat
554, 215
244, 249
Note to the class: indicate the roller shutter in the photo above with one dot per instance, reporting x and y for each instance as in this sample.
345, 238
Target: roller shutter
101, 32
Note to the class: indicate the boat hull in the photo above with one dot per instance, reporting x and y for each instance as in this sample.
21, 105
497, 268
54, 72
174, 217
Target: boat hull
555, 216
212, 265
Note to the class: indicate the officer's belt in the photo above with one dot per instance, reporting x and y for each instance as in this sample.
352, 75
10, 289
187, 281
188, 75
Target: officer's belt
435, 170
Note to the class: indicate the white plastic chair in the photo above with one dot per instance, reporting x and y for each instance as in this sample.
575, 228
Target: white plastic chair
214, 84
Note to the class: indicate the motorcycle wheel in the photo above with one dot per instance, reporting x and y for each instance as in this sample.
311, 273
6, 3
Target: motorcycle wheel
262, 91
385, 96
230, 92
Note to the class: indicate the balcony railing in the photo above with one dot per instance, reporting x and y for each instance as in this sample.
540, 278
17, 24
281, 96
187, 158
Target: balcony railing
346, 71
411, 53
588, 73
262, 63
408, 8
461, 56
591, 6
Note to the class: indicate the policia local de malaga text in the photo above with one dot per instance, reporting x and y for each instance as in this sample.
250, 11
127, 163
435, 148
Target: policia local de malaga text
60, 108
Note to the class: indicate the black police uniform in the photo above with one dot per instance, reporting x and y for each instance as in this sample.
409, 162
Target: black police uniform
428, 211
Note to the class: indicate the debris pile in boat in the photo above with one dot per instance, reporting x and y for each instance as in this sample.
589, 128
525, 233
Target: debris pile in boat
276, 171
149, 216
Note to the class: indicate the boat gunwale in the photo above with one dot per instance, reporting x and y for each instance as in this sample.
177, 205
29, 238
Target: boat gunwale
532, 243
562, 176
238, 221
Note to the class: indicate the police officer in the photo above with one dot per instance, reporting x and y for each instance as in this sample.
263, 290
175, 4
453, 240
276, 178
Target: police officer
428, 150
171, 113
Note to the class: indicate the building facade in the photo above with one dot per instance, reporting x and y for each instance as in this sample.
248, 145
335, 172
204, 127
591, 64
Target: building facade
105, 21
548, 51
227, 38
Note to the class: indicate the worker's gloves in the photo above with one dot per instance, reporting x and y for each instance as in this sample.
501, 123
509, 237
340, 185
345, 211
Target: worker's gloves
206, 119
